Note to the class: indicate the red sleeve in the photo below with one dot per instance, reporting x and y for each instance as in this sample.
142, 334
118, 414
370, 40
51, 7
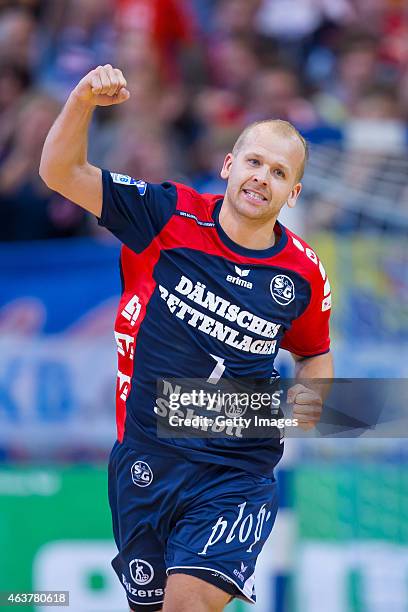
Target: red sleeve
309, 334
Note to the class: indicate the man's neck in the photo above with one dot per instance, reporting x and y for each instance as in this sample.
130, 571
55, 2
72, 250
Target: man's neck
249, 233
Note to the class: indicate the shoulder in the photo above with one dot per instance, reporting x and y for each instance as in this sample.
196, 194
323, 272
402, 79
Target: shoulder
303, 259
190, 200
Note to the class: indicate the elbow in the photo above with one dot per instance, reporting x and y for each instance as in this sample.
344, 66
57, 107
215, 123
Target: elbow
48, 175
44, 173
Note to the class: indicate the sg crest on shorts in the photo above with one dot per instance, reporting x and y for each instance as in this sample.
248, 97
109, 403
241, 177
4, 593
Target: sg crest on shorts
142, 475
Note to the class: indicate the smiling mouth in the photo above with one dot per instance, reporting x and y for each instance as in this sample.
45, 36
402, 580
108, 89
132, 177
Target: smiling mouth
253, 195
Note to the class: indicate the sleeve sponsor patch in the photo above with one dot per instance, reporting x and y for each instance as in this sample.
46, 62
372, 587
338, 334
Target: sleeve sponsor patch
124, 179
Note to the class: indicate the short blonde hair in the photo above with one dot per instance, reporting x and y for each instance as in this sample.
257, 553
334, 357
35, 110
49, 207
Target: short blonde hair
282, 126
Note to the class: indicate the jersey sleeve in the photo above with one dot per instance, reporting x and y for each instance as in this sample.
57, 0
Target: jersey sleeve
135, 211
309, 334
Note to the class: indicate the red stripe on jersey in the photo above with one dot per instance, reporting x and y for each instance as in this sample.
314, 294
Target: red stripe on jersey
137, 292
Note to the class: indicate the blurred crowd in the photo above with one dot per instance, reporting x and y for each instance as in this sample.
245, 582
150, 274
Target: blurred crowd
198, 72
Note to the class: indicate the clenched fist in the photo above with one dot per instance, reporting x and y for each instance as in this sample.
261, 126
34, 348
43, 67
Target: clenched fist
103, 86
307, 406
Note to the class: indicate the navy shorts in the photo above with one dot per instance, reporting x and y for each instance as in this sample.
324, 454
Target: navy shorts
171, 515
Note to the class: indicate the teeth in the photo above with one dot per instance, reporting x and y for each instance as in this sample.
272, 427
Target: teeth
253, 195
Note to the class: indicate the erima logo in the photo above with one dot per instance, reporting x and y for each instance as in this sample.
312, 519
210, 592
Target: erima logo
240, 573
238, 280
241, 272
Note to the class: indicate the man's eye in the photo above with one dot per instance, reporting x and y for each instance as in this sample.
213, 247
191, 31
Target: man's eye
279, 173
254, 162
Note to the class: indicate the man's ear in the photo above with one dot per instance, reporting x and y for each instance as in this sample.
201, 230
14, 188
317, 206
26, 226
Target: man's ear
226, 167
294, 194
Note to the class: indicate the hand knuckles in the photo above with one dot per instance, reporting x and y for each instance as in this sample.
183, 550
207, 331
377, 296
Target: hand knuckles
306, 412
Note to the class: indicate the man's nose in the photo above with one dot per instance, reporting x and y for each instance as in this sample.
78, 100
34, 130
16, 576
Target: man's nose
261, 177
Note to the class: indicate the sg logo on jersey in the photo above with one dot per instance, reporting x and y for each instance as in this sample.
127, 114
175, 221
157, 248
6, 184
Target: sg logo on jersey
282, 289
142, 475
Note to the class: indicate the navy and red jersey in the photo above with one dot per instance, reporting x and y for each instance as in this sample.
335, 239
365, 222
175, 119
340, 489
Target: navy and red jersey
195, 304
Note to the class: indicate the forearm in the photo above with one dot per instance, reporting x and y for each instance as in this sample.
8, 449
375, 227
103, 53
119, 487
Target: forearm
64, 165
320, 367
66, 145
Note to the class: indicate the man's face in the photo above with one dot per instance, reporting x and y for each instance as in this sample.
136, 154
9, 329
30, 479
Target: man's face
262, 176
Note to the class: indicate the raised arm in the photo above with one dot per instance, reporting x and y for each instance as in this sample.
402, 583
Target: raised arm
64, 165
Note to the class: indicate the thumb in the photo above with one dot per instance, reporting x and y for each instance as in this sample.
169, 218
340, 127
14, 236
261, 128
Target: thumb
121, 96
292, 393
